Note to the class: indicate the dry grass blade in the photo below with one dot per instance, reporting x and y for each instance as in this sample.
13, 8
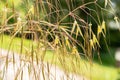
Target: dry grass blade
22, 75
18, 73
73, 27
4, 16
90, 29
56, 40
92, 44
43, 74
99, 31
79, 30
31, 10
7, 62
104, 26
74, 51
13, 57
95, 40
117, 23
67, 42
106, 2
48, 70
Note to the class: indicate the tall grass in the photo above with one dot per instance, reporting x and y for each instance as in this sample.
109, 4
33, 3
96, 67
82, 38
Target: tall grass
65, 27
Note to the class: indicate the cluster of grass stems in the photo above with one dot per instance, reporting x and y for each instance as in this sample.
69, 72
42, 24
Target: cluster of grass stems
51, 29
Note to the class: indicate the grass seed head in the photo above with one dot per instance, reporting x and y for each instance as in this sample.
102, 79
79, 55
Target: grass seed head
99, 30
